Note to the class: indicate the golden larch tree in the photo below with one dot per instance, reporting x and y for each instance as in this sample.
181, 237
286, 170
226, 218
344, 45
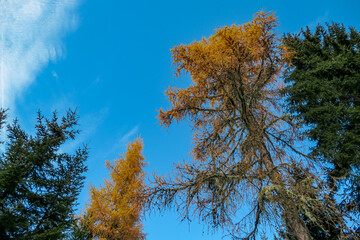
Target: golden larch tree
244, 155
115, 209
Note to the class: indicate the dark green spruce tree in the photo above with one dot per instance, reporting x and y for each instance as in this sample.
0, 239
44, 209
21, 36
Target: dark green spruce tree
324, 92
39, 183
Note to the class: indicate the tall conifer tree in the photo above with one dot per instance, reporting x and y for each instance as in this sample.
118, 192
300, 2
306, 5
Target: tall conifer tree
324, 93
39, 183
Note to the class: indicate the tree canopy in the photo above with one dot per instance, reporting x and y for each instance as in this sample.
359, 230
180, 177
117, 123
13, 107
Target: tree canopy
115, 209
39, 183
254, 102
244, 154
324, 92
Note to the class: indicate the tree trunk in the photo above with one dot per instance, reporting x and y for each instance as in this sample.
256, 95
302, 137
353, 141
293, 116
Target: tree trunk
291, 215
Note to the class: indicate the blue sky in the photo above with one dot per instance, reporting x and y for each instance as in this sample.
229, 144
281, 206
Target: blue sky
112, 60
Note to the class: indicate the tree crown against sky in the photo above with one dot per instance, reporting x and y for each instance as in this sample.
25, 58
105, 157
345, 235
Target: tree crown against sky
243, 145
39, 182
115, 208
324, 92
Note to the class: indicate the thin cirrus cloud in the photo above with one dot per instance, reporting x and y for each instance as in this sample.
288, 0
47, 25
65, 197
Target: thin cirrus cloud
126, 137
30, 37
123, 139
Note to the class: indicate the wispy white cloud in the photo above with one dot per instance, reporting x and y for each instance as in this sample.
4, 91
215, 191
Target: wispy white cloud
30, 36
122, 139
125, 138
88, 126
55, 75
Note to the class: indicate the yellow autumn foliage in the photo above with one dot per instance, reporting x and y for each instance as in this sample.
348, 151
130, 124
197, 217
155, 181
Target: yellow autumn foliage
245, 153
115, 209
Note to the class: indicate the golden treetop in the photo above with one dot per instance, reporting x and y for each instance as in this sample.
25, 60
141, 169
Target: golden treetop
115, 209
247, 55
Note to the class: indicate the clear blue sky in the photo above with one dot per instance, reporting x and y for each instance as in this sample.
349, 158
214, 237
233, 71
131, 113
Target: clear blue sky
112, 60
